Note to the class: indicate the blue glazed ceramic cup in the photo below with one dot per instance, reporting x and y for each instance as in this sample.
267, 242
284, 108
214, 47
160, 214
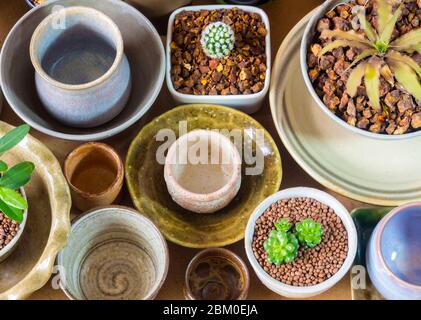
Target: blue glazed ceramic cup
394, 254
82, 75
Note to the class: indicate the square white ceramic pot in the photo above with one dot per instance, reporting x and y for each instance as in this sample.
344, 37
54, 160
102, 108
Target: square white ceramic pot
249, 103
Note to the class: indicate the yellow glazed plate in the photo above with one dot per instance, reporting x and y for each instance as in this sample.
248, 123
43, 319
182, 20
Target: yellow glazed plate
30, 265
145, 178
369, 170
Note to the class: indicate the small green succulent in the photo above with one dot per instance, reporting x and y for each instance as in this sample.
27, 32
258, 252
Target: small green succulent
217, 40
309, 232
281, 246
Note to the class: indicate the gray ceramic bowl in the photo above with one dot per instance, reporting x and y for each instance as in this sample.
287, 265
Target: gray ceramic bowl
81, 93
143, 48
113, 253
308, 36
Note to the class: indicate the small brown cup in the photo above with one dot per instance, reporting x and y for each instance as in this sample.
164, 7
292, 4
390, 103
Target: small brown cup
95, 173
215, 283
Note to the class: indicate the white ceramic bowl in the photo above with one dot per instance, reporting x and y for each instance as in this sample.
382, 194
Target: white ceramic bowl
293, 291
7, 250
247, 103
308, 37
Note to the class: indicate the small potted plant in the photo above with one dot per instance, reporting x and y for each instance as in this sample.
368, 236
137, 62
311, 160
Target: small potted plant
361, 60
219, 54
13, 202
300, 242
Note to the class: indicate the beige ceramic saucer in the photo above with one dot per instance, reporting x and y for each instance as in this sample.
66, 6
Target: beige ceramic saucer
373, 171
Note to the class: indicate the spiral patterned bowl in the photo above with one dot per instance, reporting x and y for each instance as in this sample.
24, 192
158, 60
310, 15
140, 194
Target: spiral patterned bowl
114, 253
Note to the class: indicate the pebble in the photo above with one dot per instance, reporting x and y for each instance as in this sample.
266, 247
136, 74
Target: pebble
8, 230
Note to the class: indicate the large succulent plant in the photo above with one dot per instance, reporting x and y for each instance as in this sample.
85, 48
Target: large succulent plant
379, 55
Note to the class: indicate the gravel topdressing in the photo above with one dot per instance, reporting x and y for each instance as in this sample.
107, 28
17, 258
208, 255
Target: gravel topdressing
312, 266
243, 71
401, 113
8, 230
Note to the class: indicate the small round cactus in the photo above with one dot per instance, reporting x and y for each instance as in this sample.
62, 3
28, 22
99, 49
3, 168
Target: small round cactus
309, 232
217, 40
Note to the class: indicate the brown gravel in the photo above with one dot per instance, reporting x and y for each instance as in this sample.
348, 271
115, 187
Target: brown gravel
243, 71
312, 266
8, 230
402, 113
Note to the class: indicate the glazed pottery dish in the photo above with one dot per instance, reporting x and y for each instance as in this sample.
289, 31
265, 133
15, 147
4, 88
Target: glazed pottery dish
95, 174
394, 254
261, 176
216, 274
114, 253
142, 46
348, 163
310, 32
7, 250
297, 195
203, 171
82, 75
31, 263
248, 103
365, 220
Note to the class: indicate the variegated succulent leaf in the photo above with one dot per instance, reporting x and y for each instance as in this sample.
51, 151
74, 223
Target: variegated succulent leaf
372, 83
407, 78
343, 43
355, 79
386, 33
409, 41
396, 56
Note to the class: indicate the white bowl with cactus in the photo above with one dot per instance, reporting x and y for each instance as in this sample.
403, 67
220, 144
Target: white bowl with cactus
217, 40
381, 82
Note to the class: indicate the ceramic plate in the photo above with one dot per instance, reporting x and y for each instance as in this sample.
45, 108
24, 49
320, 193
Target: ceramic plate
30, 265
369, 170
365, 220
145, 179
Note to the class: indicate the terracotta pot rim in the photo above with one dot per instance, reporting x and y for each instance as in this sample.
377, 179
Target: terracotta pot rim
102, 146
205, 197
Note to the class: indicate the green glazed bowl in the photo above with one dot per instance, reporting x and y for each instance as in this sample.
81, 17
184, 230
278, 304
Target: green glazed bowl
146, 184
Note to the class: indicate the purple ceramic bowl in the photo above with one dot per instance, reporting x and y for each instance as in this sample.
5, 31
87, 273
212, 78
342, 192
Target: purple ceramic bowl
394, 254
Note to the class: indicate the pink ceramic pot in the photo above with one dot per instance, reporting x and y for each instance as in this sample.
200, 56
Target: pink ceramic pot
199, 179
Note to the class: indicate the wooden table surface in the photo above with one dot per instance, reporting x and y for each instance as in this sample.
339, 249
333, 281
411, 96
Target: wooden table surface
283, 14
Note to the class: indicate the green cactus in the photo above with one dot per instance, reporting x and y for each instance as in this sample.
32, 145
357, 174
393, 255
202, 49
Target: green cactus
281, 246
217, 40
309, 232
